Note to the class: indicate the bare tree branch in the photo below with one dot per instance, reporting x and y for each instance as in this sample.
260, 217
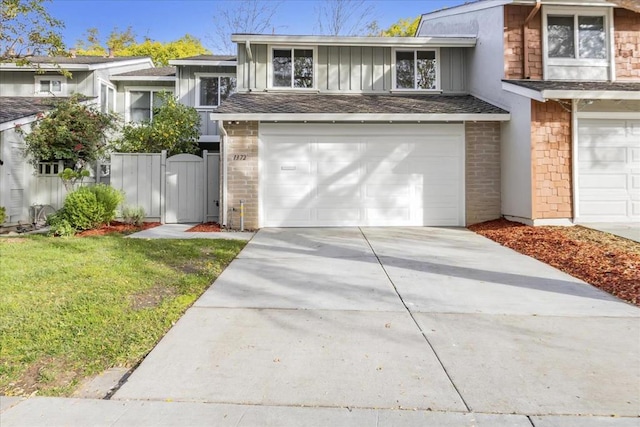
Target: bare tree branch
345, 17
241, 16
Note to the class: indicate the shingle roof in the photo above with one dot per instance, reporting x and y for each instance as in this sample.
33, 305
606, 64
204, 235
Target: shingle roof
540, 85
272, 103
210, 58
17, 107
151, 72
80, 59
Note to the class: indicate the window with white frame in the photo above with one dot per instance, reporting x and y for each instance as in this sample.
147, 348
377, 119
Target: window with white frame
211, 89
576, 35
141, 102
416, 69
50, 85
292, 68
107, 97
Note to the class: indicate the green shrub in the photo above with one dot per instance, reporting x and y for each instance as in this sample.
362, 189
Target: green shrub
3, 214
89, 207
133, 215
59, 226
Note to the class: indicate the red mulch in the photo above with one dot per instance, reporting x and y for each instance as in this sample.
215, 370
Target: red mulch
117, 227
605, 261
207, 227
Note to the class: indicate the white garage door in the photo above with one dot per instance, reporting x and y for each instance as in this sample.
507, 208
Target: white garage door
608, 170
369, 175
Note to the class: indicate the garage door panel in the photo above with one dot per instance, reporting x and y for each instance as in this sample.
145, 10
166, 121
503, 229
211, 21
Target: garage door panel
608, 170
363, 178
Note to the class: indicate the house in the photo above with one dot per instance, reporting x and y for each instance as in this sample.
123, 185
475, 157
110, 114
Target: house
25, 92
569, 74
358, 131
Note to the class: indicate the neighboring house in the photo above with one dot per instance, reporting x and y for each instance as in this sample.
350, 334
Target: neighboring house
570, 77
350, 131
24, 95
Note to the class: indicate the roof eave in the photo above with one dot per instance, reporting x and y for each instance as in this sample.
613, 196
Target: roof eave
141, 61
361, 117
400, 42
203, 62
143, 78
546, 94
46, 67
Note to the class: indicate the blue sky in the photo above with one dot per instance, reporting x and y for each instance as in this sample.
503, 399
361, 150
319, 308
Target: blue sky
166, 20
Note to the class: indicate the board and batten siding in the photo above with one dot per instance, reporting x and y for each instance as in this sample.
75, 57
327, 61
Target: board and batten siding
351, 69
23, 83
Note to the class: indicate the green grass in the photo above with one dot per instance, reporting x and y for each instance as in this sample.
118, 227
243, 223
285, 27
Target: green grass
72, 307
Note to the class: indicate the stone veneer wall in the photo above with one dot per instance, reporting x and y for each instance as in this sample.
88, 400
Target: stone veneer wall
514, 17
241, 151
626, 44
482, 170
551, 160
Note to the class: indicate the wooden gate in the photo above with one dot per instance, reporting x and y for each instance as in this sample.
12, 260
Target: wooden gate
185, 189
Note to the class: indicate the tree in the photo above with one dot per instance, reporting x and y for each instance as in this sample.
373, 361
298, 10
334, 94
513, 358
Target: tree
402, 28
123, 43
72, 131
241, 16
27, 30
344, 17
175, 127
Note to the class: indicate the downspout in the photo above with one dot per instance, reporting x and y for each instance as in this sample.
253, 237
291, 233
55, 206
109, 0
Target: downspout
525, 40
247, 47
223, 183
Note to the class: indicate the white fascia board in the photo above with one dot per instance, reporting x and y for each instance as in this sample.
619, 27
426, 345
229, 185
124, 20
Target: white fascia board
523, 91
18, 122
360, 117
46, 67
200, 62
464, 8
143, 78
591, 94
141, 61
399, 42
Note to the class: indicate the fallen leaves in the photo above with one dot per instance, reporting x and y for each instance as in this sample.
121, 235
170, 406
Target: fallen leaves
603, 260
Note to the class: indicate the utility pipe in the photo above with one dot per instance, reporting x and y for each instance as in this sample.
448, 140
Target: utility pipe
525, 40
223, 183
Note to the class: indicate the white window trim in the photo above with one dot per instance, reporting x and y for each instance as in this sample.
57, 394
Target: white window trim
197, 88
127, 97
114, 97
415, 70
606, 13
271, 48
61, 79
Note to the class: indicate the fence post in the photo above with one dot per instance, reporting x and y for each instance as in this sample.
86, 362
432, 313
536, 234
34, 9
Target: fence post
205, 175
163, 185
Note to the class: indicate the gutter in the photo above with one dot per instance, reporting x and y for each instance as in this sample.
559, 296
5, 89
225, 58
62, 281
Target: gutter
525, 40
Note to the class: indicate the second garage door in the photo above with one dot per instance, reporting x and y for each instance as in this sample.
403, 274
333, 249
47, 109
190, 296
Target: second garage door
361, 175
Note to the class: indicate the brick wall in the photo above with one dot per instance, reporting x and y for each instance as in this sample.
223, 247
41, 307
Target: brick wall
551, 160
514, 17
626, 43
241, 151
482, 167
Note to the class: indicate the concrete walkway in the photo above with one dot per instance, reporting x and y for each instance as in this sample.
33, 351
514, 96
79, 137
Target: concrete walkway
179, 231
380, 326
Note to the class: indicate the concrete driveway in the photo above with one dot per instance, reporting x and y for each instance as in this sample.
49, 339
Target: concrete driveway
436, 320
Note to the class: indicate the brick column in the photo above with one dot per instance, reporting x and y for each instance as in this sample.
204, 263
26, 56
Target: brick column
241, 152
482, 170
551, 159
626, 44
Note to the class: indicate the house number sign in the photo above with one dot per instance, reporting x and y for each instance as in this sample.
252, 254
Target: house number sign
239, 157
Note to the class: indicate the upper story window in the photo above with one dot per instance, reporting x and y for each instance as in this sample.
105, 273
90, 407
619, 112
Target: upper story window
211, 90
572, 35
50, 85
416, 69
107, 98
292, 68
141, 102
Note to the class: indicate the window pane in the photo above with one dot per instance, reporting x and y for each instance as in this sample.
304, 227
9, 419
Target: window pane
56, 86
45, 85
591, 37
426, 65
140, 108
560, 36
227, 87
111, 98
281, 68
303, 68
405, 70
209, 91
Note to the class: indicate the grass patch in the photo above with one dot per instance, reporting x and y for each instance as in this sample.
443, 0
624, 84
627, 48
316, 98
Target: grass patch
73, 307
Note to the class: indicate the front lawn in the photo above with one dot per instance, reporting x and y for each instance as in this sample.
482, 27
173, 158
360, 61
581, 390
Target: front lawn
73, 307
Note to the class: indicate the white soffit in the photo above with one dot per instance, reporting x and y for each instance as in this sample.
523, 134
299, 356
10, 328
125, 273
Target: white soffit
545, 94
